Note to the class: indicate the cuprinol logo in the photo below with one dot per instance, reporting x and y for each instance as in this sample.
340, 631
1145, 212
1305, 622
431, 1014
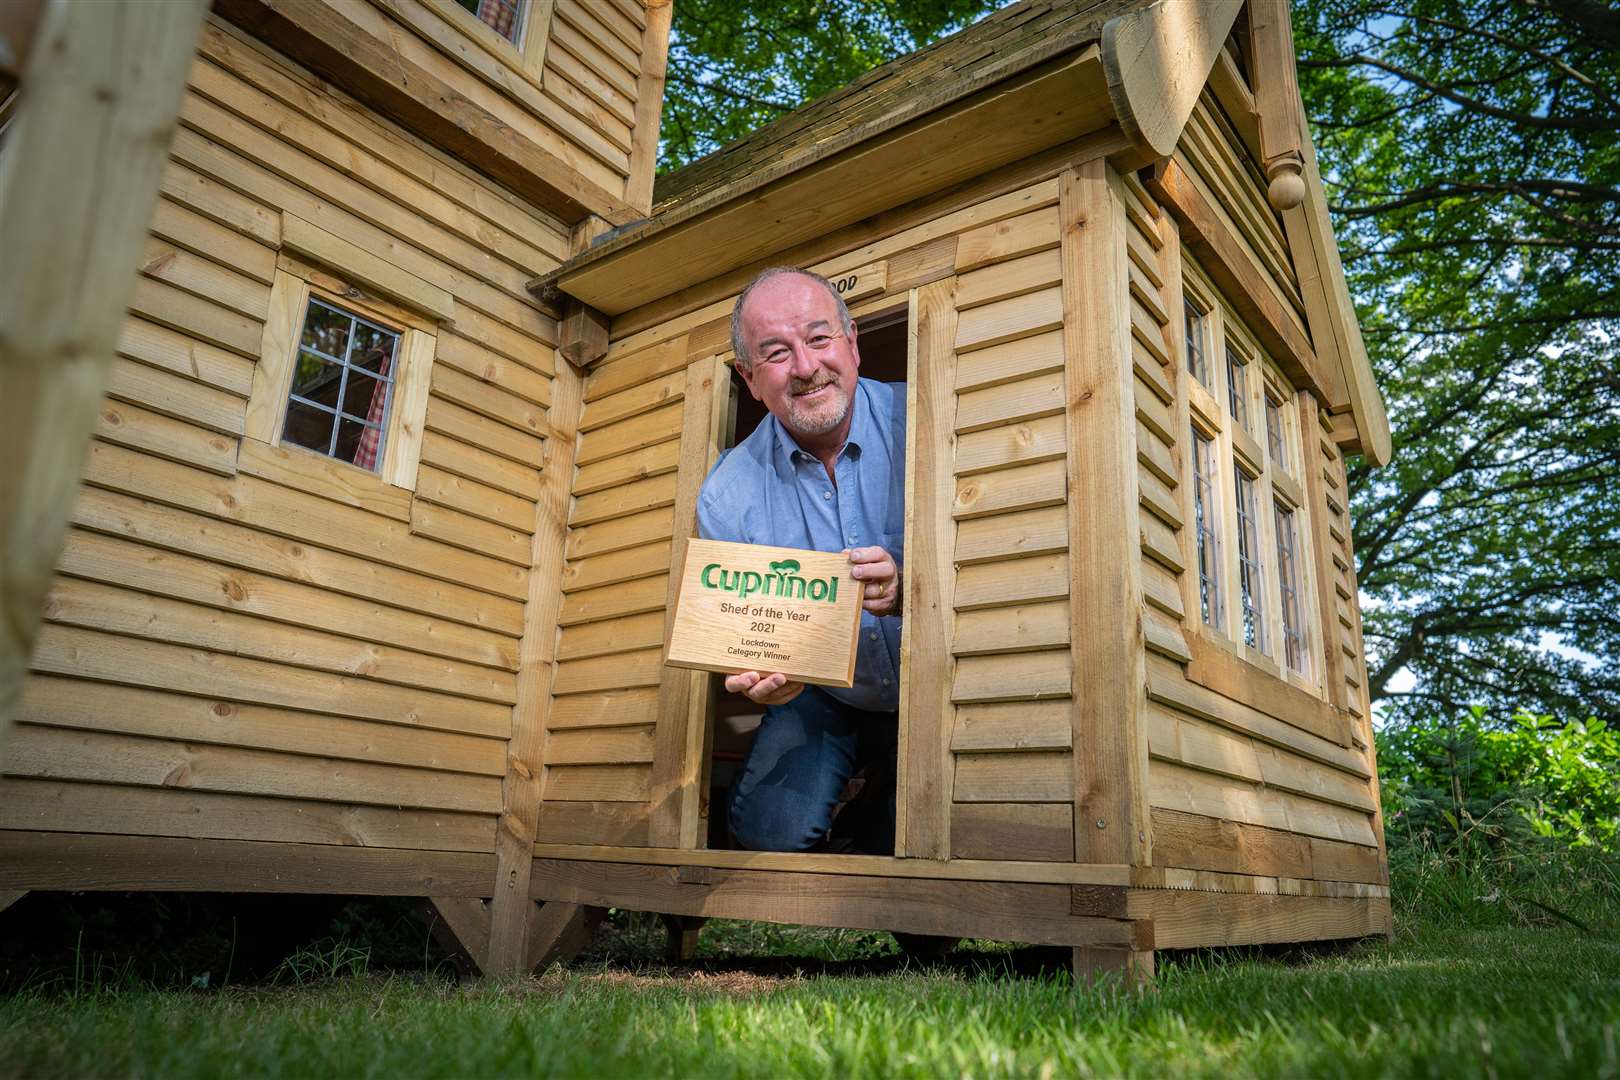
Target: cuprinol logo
781, 580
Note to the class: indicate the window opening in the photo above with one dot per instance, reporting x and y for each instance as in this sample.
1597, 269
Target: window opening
1237, 387
1204, 517
882, 340
342, 385
1275, 443
1197, 363
1249, 576
1296, 653
505, 17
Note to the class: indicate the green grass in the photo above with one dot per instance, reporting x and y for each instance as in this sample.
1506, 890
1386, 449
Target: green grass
1449, 1002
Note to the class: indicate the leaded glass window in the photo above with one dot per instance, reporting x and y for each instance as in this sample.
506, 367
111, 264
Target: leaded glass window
1237, 388
1205, 518
1296, 651
1197, 361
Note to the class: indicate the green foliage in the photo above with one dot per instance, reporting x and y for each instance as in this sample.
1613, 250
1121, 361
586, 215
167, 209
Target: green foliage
1472, 153
735, 67
1469, 780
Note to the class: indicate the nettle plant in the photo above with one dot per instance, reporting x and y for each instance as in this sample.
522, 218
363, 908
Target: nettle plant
1555, 779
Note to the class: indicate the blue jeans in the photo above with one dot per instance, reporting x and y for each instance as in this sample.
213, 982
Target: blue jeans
803, 754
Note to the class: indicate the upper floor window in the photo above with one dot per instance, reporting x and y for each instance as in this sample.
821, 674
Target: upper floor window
505, 17
1197, 357
342, 383
1276, 440
1237, 387
1205, 524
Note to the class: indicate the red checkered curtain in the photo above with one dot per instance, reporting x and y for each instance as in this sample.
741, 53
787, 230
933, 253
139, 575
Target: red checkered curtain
365, 454
502, 15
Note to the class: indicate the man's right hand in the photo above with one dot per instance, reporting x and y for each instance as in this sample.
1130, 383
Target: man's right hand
773, 689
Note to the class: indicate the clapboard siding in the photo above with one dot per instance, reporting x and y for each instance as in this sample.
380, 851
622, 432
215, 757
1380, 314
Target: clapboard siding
247, 642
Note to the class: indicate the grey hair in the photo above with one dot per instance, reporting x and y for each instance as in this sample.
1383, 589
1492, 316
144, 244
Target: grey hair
739, 347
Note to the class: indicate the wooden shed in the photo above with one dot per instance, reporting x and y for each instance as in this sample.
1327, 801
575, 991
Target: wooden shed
1091, 239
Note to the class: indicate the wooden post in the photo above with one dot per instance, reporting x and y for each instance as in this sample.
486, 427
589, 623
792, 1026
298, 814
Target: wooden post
78, 180
683, 931
1276, 93
1133, 966
1105, 588
923, 815
638, 186
683, 696
511, 910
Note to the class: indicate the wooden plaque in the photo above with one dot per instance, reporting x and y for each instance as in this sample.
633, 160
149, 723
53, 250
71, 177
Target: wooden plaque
746, 607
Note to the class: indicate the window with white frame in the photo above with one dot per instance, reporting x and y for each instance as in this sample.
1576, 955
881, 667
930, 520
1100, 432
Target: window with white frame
1254, 588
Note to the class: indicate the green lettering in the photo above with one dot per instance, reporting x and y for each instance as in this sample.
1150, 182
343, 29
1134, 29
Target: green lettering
818, 589
750, 583
704, 577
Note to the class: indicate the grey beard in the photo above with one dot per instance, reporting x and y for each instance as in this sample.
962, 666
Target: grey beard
802, 424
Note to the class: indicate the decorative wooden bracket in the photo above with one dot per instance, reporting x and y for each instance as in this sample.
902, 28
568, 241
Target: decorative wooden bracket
461, 925
1276, 89
583, 334
558, 932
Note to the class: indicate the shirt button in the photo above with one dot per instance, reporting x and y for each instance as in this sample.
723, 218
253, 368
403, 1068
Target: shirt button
885, 682
826, 494
872, 634
852, 540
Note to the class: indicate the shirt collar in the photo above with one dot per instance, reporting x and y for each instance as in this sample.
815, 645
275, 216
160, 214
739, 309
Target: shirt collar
862, 432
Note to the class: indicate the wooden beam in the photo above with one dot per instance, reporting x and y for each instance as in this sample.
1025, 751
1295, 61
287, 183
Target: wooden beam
94, 862
1219, 253
461, 925
1037, 914
559, 932
520, 817
74, 219
1196, 842
320, 36
638, 186
1105, 589
1189, 919
927, 716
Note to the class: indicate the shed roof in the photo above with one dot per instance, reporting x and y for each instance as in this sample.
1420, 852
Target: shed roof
1012, 39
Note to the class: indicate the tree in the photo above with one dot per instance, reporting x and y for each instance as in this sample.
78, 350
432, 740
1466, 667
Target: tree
1470, 151
734, 67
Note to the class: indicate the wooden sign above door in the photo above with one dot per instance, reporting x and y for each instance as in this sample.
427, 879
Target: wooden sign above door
746, 607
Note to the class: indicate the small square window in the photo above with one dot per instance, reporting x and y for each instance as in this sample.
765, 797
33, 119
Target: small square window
505, 17
1275, 441
342, 385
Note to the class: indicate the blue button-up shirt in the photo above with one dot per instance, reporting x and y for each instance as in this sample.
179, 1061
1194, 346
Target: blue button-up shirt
766, 490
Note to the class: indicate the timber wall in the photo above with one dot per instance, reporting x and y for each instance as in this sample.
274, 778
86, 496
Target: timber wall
1250, 771
251, 643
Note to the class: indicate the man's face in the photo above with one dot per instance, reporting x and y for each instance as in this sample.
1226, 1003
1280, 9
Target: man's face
804, 365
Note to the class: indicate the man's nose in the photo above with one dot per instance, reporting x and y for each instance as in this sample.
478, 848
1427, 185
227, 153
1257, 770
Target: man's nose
804, 363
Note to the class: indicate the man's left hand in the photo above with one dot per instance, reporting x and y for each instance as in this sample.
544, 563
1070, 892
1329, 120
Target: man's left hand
874, 568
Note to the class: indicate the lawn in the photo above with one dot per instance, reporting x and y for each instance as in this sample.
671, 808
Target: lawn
1442, 1001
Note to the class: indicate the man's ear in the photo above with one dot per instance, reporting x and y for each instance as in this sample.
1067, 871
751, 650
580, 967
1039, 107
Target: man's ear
747, 373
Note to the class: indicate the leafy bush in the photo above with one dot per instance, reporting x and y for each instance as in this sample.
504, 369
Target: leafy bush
1444, 778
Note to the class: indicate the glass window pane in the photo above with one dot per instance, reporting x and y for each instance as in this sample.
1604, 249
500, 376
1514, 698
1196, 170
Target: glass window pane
1237, 388
348, 439
317, 379
364, 396
1249, 577
1204, 522
326, 329
1274, 432
1196, 364
373, 349
308, 426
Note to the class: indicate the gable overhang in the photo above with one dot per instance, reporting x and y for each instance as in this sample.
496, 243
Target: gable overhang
925, 147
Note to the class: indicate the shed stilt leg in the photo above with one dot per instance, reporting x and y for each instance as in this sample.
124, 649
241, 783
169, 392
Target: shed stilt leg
683, 936
1093, 964
559, 932
460, 924
11, 896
